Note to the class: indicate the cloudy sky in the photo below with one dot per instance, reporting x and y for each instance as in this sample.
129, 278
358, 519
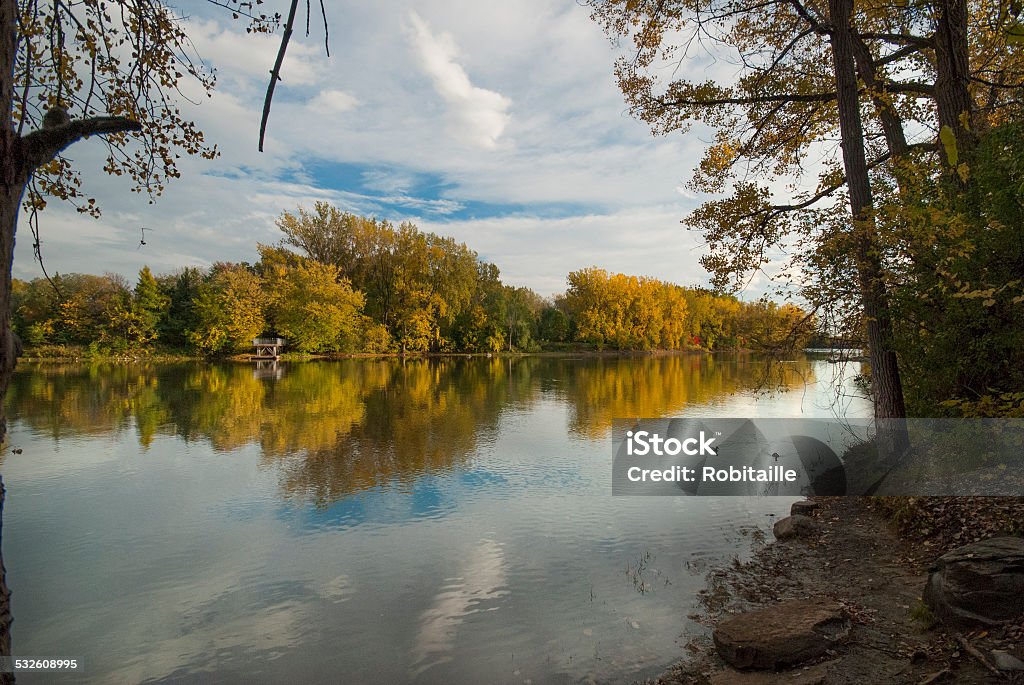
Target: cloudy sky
498, 123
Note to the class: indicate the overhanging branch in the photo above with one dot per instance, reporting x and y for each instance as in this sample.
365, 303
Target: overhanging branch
39, 147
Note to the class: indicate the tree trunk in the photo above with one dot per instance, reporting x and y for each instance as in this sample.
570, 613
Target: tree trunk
888, 117
12, 186
952, 76
885, 374
11, 190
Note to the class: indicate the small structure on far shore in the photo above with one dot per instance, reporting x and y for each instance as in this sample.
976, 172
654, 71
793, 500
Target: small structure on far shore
267, 348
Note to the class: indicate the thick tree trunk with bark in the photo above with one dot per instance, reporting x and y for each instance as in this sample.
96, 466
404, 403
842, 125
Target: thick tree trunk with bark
952, 76
888, 117
885, 374
12, 186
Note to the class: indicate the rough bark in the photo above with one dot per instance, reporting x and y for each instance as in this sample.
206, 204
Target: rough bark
952, 76
888, 388
10, 197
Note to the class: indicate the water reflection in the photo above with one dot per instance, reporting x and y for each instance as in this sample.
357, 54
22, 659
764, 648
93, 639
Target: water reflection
374, 521
607, 389
481, 582
332, 429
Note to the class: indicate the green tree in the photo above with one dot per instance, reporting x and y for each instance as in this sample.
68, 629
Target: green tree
149, 305
313, 307
229, 310
960, 303
553, 325
180, 289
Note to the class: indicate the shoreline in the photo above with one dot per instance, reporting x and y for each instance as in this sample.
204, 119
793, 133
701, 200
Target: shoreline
299, 357
876, 573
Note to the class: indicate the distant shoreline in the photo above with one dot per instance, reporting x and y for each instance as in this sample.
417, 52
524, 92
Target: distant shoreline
131, 358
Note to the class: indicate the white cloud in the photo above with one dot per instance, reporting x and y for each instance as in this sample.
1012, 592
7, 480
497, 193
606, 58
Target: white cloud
241, 56
481, 115
333, 101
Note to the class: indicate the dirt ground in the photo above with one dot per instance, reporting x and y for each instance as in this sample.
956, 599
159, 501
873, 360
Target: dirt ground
859, 560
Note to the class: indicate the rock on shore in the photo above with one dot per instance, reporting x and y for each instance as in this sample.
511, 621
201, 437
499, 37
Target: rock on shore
781, 635
978, 584
795, 526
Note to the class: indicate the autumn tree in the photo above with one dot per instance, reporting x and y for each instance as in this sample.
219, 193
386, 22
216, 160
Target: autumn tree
180, 289
328, 235
310, 303
416, 283
229, 310
871, 76
625, 312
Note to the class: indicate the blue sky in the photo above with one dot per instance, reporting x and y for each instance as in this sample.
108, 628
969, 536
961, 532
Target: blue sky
497, 123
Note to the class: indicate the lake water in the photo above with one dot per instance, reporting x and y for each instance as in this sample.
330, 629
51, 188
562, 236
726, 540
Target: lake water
427, 521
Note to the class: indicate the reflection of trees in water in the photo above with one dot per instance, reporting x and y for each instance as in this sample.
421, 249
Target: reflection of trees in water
65, 400
609, 388
425, 417
335, 428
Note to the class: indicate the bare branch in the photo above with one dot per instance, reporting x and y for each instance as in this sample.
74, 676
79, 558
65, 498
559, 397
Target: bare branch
899, 39
775, 210
275, 73
817, 26
327, 35
752, 100
896, 55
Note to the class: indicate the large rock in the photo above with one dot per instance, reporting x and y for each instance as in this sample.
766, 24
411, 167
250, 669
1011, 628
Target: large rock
795, 526
782, 635
805, 507
978, 584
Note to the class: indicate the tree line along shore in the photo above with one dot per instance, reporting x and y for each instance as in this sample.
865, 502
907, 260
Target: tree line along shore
338, 283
